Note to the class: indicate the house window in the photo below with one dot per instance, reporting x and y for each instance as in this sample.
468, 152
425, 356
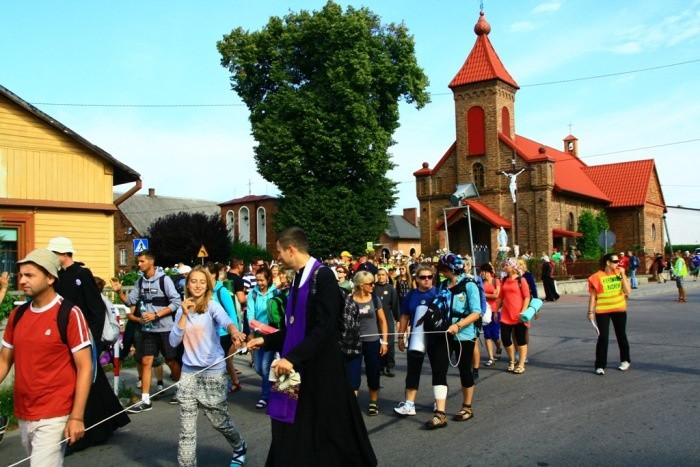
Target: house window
8, 251
122, 257
653, 232
260, 228
570, 225
476, 131
478, 175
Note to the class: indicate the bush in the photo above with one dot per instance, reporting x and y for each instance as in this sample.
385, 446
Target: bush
7, 305
7, 404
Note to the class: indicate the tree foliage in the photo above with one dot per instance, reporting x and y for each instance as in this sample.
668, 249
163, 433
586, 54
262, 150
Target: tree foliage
323, 90
178, 237
591, 225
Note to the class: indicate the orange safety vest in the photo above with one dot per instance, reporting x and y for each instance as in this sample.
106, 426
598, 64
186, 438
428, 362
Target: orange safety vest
608, 288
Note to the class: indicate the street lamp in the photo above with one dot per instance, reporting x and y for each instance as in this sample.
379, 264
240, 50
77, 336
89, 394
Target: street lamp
462, 192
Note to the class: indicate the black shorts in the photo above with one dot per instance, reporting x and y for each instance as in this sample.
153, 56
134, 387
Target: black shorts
153, 342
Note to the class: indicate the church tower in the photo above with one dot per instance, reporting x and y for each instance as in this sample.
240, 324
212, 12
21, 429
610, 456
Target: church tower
484, 96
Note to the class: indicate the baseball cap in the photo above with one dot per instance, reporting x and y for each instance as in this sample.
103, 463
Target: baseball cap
61, 245
45, 258
345, 253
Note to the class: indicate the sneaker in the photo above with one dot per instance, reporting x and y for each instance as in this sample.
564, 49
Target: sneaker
138, 385
238, 457
140, 407
262, 403
373, 409
599, 371
159, 388
3, 426
174, 400
389, 372
624, 366
475, 374
404, 409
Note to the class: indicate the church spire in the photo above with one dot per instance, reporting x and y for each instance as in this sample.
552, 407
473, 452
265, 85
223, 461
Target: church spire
483, 63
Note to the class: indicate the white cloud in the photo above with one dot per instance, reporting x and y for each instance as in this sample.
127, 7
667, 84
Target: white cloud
522, 26
627, 48
546, 7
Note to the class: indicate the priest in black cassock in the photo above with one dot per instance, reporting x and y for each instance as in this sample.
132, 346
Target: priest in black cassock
319, 423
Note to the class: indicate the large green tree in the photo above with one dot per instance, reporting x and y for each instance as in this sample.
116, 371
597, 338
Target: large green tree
323, 90
179, 237
591, 225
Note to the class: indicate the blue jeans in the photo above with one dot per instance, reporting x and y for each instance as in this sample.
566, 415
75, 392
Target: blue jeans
633, 279
263, 360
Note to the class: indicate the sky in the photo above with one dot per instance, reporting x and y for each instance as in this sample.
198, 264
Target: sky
143, 81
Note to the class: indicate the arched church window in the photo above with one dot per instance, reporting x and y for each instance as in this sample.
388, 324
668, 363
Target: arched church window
570, 224
478, 175
505, 121
653, 232
476, 131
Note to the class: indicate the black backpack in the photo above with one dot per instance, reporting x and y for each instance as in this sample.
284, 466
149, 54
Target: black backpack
440, 313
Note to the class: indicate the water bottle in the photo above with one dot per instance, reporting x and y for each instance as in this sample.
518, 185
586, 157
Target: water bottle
147, 326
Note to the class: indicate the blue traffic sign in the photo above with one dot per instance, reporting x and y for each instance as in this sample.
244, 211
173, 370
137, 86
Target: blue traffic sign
140, 244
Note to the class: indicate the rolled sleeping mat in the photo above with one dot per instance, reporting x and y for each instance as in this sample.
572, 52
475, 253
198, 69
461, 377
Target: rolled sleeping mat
534, 307
416, 341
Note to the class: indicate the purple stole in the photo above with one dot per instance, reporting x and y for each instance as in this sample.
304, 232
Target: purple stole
283, 404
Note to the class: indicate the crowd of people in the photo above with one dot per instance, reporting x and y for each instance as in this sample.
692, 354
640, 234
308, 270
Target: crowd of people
310, 327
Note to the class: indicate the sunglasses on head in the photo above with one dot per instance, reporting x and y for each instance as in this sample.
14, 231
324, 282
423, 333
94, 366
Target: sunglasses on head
425, 277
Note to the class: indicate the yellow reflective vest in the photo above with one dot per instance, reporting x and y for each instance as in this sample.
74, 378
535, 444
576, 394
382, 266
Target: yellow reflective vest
608, 290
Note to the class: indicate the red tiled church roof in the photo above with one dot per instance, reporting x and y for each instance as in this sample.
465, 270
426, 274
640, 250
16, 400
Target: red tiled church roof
569, 173
481, 209
625, 183
483, 63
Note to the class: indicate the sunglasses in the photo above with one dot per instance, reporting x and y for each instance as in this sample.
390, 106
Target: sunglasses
425, 278
614, 260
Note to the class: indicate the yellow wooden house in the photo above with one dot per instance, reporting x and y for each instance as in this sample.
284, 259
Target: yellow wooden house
53, 182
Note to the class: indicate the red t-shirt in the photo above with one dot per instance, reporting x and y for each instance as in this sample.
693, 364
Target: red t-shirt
490, 288
513, 298
45, 374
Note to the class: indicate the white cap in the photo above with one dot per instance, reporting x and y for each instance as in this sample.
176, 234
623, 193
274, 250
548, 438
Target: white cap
61, 245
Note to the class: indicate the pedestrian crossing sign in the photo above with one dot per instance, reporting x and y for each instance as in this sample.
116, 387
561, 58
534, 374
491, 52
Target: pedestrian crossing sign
140, 244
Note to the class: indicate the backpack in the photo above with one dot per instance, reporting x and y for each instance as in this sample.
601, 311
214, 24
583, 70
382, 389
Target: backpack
62, 320
695, 261
275, 310
111, 329
157, 301
439, 315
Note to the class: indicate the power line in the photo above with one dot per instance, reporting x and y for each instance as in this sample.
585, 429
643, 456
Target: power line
546, 83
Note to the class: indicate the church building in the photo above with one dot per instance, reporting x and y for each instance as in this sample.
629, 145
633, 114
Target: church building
534, 191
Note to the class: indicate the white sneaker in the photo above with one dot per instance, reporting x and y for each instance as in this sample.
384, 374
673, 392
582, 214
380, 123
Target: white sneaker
404, 409
138, 385
624, 366
599, 371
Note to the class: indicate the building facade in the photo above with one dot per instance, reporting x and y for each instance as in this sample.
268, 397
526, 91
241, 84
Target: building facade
534, 191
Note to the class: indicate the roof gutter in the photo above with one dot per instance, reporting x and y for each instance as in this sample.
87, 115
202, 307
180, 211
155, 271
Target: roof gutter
129, 193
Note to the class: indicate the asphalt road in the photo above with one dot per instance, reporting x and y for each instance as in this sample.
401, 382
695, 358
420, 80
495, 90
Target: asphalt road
557, 413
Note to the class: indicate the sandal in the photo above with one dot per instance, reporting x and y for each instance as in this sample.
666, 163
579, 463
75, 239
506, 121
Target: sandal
439, 420
489, 362
262, 403
519, 370
511, 366
464, 414
373, 409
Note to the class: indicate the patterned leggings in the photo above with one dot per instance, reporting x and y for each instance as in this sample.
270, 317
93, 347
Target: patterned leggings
209, 391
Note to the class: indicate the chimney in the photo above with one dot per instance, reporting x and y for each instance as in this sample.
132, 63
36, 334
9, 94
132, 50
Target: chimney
411, 215
151, 192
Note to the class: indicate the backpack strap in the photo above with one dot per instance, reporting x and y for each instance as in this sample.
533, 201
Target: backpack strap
62, 317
